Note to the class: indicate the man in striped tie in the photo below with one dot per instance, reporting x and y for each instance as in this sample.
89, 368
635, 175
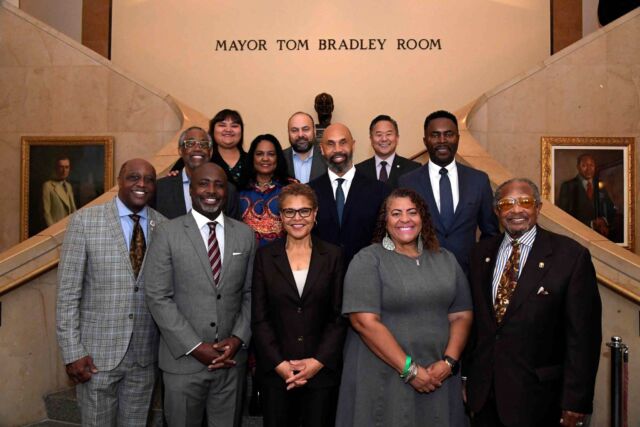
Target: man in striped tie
199, 289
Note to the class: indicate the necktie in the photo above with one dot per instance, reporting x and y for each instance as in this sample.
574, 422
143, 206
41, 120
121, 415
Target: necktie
138, 246
383, 172
446, 199
508, 282
340, 199
589, 190
214, 253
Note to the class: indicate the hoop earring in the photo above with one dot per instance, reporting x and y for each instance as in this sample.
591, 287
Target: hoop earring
387, 243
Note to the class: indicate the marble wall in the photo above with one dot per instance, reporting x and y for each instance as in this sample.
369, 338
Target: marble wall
53, 86
591, 88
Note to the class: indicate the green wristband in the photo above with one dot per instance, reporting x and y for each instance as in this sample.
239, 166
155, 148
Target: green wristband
407, 364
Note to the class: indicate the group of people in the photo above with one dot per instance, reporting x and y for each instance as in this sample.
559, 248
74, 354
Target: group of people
360, 289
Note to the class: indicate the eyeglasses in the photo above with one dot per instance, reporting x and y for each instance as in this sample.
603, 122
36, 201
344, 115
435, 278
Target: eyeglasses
290, 213
447, 135
190, 143
525, 202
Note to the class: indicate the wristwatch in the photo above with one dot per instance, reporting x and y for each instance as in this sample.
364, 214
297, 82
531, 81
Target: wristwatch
453, 364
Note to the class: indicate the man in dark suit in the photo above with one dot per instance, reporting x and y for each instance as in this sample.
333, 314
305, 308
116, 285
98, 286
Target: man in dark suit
386, 165
304, 160
172, 193
535, 346
582, 198
199, 293
348, 201
459, 197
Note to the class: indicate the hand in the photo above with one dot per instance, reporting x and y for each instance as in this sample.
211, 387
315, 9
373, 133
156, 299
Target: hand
285, 370
424, 382
572, 419
228, 348
173, 173
205, 353
439, 370
306, 369
81, 370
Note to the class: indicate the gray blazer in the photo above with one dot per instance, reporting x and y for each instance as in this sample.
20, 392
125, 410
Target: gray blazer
318, 164
100, 307
182, 298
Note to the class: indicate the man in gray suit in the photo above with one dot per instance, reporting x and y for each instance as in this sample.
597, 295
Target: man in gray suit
304, 159
199, 292
108, 339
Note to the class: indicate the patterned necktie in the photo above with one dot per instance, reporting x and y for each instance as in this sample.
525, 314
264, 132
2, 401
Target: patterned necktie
446, 199
589, 190
508, 281
383, 172
340, 199
214, 253
137, 246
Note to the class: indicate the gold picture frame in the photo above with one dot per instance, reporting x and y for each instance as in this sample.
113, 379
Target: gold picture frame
47, 195
614, 177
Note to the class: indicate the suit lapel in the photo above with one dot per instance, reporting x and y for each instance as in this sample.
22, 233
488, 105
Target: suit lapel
317, 163
229, 246
534, 270
288, 156
430, 200
63, 195
325, 193
316, 265
281, 262
490, 257
464, 189
352, 198
193, 233
115, 228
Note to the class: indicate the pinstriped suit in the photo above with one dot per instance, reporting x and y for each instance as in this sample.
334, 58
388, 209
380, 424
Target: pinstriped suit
100, 309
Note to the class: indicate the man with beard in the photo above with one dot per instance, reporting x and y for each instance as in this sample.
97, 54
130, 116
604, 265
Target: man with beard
172, 195
535, 344
301, 161
108, 340
459, 197
348, 201
199, 293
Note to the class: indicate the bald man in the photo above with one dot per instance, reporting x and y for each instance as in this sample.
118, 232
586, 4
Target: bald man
348, 201
108, 339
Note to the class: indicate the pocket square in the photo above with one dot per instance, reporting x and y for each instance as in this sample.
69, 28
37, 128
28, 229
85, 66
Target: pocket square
237, 253
542, 291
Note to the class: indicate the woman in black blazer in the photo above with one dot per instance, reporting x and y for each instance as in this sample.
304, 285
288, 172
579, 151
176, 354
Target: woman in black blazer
297, 325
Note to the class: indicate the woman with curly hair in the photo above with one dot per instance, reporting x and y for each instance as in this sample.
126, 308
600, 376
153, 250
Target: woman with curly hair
410, 307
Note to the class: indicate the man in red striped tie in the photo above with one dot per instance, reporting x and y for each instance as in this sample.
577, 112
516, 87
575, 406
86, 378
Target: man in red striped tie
199, 288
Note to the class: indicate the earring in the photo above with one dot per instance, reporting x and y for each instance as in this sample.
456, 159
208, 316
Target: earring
387, 243
420, 244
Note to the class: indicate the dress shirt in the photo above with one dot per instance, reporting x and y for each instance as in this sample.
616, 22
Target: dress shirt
526, 242
185, 190
203, 226
434, 176
348, 179
389, 161
127, 223
302, 167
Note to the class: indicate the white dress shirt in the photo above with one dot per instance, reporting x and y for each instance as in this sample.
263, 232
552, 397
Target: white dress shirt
434, 176
389, 161
346, 185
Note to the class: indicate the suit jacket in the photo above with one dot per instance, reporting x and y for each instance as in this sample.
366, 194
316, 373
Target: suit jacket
318, 164
56, 203
474, 210
98, 295
544, 355
287, 326
399, 167
358, 218
169, 199
182, 297
573, 200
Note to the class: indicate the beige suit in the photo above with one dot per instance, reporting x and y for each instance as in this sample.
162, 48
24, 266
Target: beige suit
57, 201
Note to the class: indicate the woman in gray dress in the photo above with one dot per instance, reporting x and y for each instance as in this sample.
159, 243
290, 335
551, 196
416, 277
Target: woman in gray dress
410, 307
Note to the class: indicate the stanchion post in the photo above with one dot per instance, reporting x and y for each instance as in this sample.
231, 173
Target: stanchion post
617, 350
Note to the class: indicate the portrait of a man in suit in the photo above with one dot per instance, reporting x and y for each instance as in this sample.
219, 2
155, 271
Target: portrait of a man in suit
58, 200
535, 344
107, 337
459, 197
386, 165
199, 293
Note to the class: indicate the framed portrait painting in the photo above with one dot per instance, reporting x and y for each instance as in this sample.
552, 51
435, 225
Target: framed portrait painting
59, 176
592, 179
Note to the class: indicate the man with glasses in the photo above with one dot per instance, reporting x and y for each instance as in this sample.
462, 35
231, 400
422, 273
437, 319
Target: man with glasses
172, 194
535, 345
458, 197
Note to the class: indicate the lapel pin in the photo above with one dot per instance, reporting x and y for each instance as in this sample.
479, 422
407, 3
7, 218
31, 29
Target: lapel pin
541, 265
397, 166
487, 259
152, 223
